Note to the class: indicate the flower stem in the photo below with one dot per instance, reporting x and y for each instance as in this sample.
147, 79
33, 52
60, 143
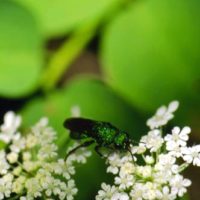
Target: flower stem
183, 167
62, 59
16, 197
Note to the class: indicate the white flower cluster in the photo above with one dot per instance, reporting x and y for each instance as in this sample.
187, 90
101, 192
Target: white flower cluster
155, 170
29, 164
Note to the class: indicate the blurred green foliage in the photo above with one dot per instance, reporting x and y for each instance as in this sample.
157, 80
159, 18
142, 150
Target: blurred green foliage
149, 52
20, 51
152, 49
61, 17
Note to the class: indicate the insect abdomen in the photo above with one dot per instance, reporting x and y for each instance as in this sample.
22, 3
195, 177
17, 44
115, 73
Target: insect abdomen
105, 133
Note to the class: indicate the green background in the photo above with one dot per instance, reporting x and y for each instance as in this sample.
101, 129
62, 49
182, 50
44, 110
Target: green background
142, 54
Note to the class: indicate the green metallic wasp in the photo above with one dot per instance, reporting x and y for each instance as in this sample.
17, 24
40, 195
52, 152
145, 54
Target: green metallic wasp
103, 134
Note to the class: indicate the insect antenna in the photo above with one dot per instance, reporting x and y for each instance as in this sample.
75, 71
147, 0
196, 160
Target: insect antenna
129, 150
135, 142
131, 143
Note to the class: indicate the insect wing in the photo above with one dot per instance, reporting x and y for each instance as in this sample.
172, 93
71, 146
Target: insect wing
79, 125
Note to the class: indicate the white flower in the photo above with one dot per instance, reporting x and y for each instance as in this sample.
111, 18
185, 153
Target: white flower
31, 141
124, 180
120, 196
127, 168
4, 166
18, 144
75, 111
178, 137
71, 189
47, 151
44, 134
151, 191
26, 156
107, 192
192, 155
161, 177
6, 186
79, 156
165, 162
177, 140
179, 184
149, 159
10, 126
137, 191
30, 165
11, 122
12, 157
115, 163
17, 171
138, 149
175, 150
155, 171
44, 177
33, 187
18, 184
64, 168
166, 194
163, 115
153, 140
144, 171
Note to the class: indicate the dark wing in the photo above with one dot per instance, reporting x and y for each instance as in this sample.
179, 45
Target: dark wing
79, 127
79, 124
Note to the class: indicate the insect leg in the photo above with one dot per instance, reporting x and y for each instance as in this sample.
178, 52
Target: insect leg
85, 144
129, 150
97, 149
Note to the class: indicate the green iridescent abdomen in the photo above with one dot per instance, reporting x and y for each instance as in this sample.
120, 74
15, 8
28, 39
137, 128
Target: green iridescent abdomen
121, 140
105, 134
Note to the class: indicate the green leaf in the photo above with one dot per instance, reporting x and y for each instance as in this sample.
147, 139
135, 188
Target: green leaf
150, 53
20, 51
96, 101
2, 145
61, 16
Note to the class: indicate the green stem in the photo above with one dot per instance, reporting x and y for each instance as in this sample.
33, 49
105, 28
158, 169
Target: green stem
72, 47
183, 167
16, 197
62, 59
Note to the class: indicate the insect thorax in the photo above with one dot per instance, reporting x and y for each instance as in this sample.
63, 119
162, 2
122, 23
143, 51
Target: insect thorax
105, 133
121, 140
